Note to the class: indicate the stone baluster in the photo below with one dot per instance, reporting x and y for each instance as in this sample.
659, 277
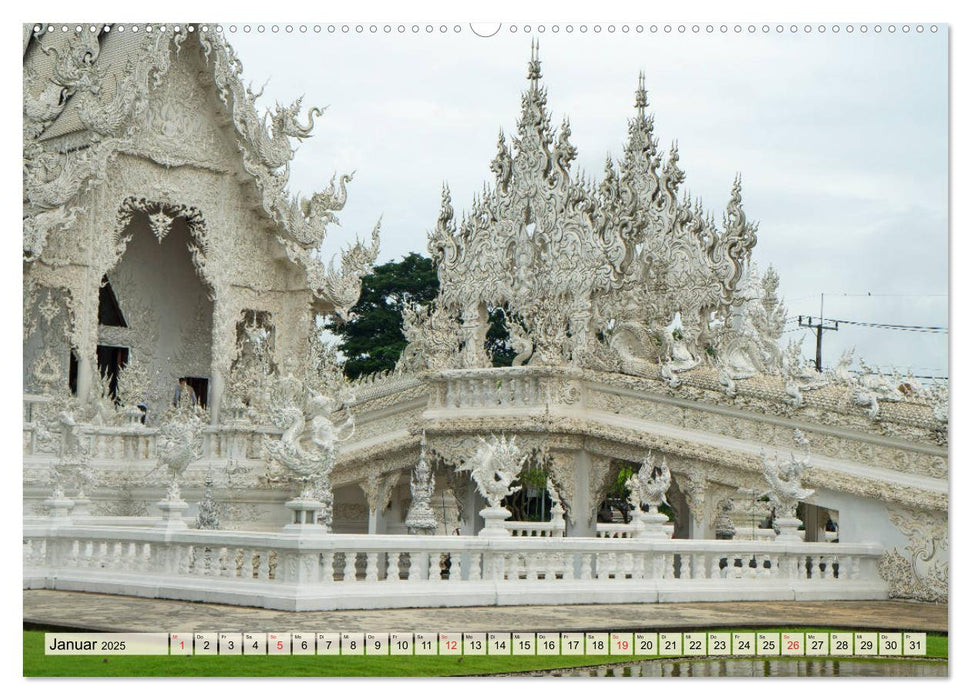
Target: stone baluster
532, 573
393, 572
248, 571
227, 562
350, 566
371, 568
435, 566
327, 567
474, 571
414, 566
749, 566
698, 570
146, 560
86, 559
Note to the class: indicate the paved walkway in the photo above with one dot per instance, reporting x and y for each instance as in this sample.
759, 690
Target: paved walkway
106, 613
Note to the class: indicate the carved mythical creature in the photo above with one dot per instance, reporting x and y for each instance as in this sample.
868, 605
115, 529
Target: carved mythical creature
495, 466
785, 479
650, 484
308, 447
271, 138
179, 443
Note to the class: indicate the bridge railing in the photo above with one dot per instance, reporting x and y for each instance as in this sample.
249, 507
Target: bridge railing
313, 570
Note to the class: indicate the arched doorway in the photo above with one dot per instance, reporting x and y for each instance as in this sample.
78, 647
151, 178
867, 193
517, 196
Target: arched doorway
155, 309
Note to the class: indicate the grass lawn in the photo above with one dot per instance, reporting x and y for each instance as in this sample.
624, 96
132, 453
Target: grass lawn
37, 664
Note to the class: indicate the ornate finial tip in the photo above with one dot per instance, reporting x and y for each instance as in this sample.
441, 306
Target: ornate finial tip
534, 62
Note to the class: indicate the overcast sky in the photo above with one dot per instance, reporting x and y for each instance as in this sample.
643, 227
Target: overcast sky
841, 141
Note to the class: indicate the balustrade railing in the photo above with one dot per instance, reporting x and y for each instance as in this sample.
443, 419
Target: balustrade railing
525, 528
137, 442
307, 570
507, 387
625, 530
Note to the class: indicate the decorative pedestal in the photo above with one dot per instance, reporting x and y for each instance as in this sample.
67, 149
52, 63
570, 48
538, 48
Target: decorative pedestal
557, 522
494, 522
788, 529
133, 415
60, 508
172, 514
304, 515
652, 526
82, 507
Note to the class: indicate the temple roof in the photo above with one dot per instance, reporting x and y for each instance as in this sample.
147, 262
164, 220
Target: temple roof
84, 95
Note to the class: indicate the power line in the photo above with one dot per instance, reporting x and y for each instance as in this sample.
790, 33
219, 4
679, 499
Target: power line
892, 326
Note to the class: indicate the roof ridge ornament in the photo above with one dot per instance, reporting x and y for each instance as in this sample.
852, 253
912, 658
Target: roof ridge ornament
534, 74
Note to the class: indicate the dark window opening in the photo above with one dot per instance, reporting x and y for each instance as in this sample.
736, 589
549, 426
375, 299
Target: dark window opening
110, 361
72, 373
199, 388
109, 313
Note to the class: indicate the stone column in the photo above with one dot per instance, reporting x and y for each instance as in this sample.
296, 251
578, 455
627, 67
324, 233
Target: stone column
216, 388
86, 369
583, 511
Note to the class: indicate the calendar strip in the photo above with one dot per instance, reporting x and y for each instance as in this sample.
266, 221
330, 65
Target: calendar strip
663, 644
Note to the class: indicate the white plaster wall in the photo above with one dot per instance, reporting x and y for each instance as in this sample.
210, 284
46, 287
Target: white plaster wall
861, 519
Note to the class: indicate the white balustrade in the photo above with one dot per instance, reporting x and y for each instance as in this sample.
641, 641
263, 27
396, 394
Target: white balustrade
326, 571
524, 528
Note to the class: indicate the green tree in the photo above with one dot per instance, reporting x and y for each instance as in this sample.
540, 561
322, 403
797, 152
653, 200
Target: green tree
372, 340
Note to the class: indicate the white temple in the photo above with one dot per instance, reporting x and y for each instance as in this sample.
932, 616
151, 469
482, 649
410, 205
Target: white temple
172, 291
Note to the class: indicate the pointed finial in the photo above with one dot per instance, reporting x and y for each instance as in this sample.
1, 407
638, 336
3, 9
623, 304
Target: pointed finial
534, 72
640, 95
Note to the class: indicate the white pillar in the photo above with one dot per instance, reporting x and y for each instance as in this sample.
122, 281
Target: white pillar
216, 386
86, 371
583, 516
377, 522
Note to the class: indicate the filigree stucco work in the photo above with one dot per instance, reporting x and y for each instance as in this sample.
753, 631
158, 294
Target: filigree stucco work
921, 571
166, 134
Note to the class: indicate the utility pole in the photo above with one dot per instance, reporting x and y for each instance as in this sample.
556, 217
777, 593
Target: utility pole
818, 328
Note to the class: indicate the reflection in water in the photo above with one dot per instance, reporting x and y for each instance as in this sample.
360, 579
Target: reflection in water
757, 668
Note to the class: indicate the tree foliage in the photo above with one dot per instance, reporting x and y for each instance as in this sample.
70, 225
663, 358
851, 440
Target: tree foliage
372, 340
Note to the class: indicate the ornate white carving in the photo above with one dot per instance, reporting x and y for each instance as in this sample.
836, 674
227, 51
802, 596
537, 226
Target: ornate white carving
786, 489
180, 442
495, 466
308, 447
650, 484
421, 517
921, 573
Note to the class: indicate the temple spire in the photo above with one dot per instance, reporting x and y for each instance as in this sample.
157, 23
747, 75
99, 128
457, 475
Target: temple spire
640, 96
534, 64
